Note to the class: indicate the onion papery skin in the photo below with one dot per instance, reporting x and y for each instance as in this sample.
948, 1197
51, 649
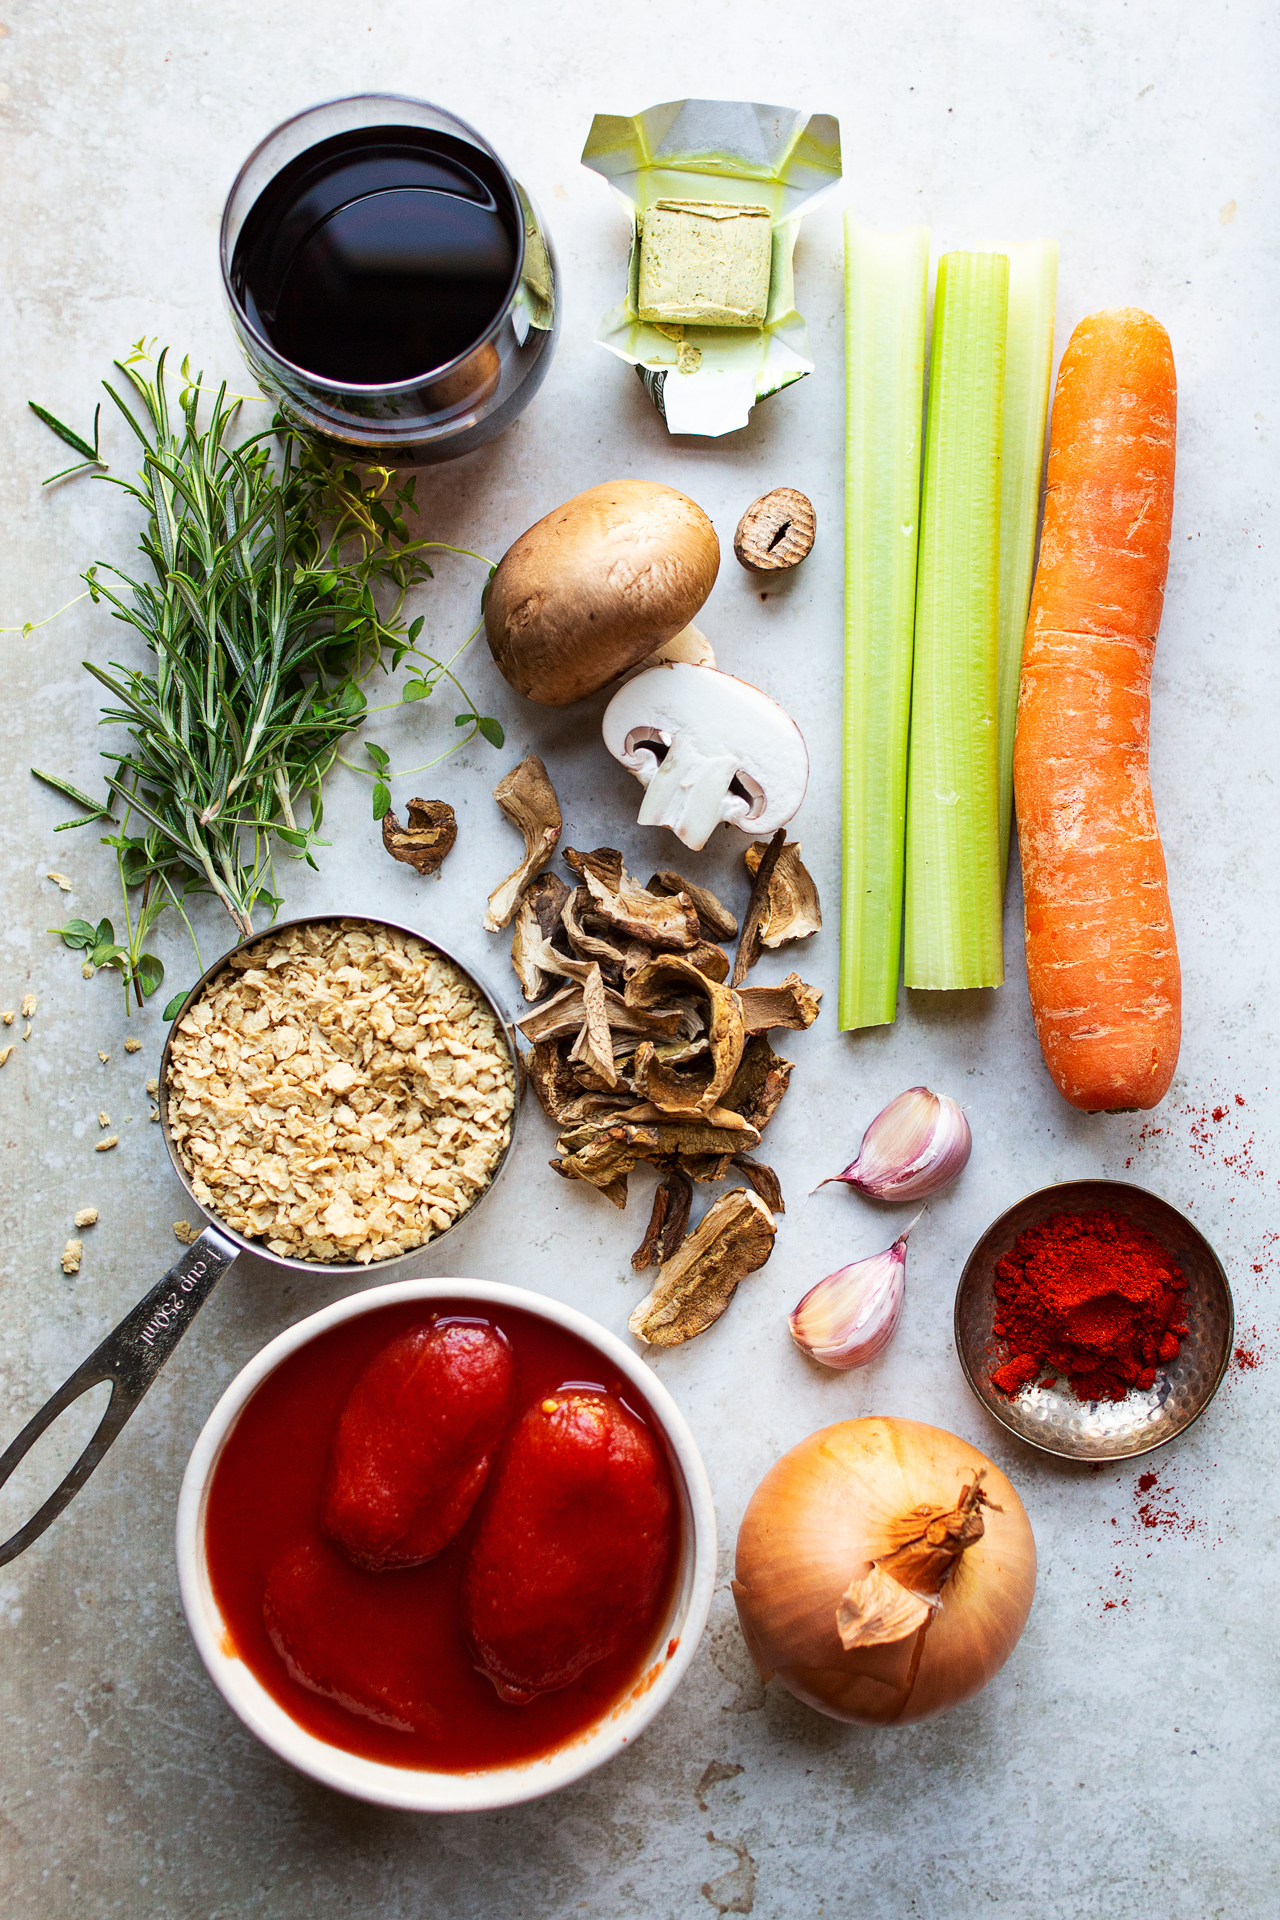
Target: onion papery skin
819, 1519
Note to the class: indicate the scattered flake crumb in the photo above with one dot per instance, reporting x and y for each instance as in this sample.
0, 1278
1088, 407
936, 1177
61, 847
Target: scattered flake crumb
105, 1146
87, 969
154, 1114
4, 1054
87, 1217
71, 1256
59, 880
104, 1119
28, 1005
128, 1117
26, 1031
7, 1017
104, 1057
184, 1231
153, 1086
133, 1044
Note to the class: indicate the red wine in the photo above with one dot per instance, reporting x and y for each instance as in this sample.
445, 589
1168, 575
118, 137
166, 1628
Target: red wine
379, 255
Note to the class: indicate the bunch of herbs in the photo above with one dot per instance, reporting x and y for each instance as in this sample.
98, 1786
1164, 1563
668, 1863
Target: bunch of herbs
275, 587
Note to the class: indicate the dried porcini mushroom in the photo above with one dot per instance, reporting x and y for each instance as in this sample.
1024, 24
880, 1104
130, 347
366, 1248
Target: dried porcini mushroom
717, 921
763, 1179
757, 907
792, 1003
535, 927
591, 946
776, 531
669, 922
560, 1092
669, 1090
604, 1155
594, 1044
792, 909
672, 1200
760, 1082
528, 799
695, 1286
561, 1017
424, 842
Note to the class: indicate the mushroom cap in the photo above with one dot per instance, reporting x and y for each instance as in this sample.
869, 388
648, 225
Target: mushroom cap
725, 719
597, 585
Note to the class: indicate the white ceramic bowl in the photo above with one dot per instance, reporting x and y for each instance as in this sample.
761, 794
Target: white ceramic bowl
419, 1789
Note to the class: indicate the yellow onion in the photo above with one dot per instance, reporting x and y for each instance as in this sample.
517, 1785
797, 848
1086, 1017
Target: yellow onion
885, 1570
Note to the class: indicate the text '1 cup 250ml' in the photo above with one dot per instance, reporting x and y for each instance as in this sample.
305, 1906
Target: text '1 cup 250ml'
391, 284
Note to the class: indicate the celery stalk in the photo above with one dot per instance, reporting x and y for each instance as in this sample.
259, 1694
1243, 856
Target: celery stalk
886, 289
1028, 363
953, 890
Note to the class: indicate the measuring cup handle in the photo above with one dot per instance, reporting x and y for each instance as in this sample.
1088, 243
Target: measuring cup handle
130, 1358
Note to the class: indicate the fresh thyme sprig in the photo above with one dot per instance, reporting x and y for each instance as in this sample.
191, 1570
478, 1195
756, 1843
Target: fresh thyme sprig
276, 583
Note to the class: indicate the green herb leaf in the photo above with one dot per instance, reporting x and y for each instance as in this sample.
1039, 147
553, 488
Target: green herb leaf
464, 719
65, 788
171, 1008
76, 934
379, 756
416, 626
492, 730
67, 435
148, 972
415, 690
381, 800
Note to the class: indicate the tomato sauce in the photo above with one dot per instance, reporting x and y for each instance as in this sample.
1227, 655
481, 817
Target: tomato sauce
395, 1637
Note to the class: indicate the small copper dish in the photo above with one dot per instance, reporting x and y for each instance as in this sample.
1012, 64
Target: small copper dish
1052, 1418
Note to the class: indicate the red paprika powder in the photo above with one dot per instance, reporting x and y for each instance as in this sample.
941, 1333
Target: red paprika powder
1091, 1297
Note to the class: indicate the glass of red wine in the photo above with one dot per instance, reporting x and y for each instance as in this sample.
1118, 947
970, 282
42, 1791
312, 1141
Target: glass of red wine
391, 284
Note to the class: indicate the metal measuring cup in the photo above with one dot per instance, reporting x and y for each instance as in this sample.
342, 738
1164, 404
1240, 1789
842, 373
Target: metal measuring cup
132, 1355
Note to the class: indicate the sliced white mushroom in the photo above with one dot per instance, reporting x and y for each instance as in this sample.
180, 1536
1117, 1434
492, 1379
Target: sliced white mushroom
707, 747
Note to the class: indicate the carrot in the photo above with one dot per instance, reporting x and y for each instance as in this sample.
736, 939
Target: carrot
1102, 961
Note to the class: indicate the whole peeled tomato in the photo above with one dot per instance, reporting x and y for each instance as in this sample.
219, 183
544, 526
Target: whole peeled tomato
330, 1630
413, 1443
574, 1544
596, 586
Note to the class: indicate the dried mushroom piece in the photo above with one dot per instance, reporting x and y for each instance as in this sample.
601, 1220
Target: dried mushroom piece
536, 924
695, 1286
590, 944
672, 1200
427, 838
759, 1084
713, 962
528, 799
792, 910
764, 1180
668, 922
560, 1091
749, 944
562, 1017
717, 921
594, 1044
602, 1155
669, 1090
792, 1003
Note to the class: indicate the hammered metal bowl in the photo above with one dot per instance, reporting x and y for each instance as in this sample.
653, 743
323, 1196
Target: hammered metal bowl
1052, 1418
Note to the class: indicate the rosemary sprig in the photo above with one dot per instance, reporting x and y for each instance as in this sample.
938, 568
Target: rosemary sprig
275, 582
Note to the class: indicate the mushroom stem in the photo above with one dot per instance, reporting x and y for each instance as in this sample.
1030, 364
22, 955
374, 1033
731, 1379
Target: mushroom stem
688, 790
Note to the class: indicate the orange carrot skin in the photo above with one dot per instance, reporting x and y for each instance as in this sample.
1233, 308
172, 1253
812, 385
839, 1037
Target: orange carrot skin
1102, 960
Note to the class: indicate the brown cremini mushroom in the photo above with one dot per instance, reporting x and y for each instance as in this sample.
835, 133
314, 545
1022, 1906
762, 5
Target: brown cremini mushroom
776, 531
596, 586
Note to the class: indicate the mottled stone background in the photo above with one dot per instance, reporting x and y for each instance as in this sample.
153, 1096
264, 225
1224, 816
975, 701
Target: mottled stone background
1124, 1763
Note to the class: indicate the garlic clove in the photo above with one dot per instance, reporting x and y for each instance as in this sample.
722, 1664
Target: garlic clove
852, 1315
914, 1147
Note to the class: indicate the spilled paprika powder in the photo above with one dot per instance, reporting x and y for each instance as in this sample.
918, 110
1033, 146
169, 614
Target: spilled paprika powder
1092, 1298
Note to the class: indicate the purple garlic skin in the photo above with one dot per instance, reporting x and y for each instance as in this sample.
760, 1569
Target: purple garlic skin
852, 1315
916, 1146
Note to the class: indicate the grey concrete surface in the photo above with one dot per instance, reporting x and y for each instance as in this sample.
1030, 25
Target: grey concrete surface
1125, 1761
